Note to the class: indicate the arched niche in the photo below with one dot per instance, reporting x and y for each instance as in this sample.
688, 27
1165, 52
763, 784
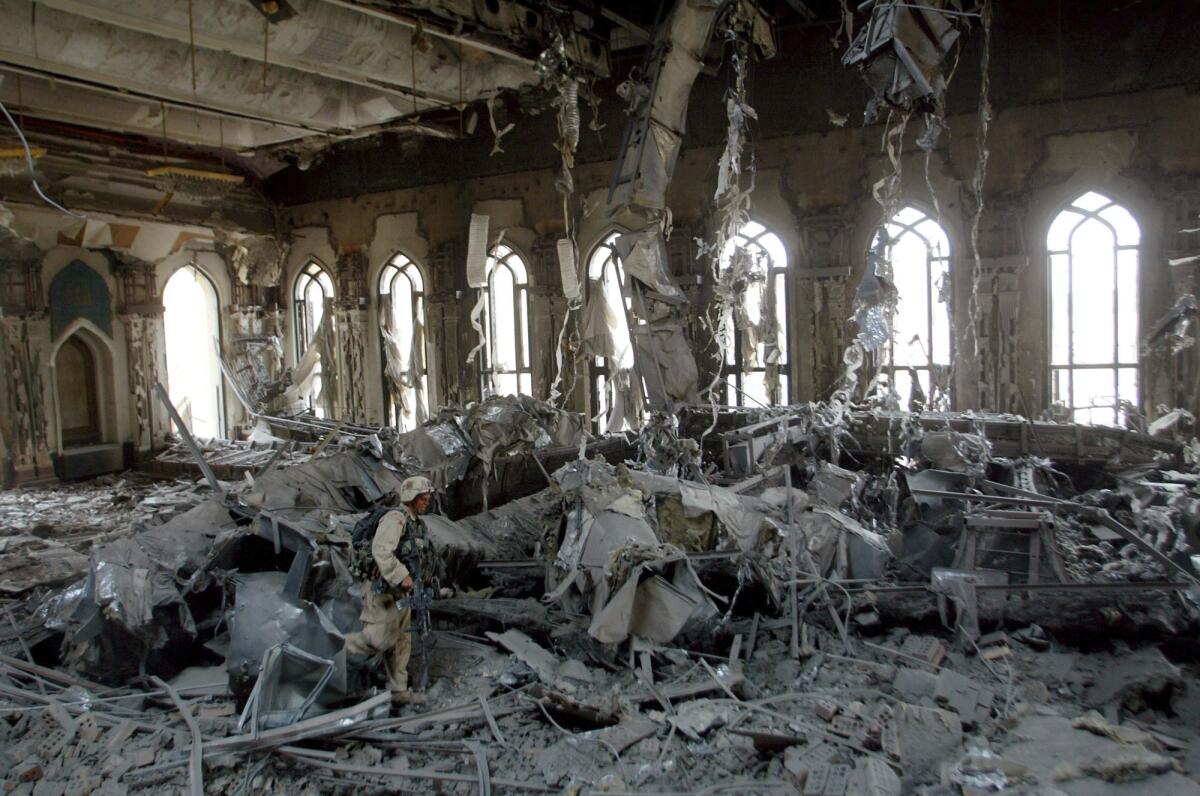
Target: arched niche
78, 393
81, 360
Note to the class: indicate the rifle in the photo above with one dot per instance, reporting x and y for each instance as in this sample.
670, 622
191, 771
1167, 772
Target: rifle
419, 601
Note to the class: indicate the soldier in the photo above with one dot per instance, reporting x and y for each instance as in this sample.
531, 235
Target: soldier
399, 545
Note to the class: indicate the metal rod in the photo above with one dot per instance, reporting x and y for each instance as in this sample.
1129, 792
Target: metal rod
188, 439
414, 773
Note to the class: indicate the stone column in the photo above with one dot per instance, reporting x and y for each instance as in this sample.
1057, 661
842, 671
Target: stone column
1005, 377
448, 330
547, 306
140, 310
254, 329
24, 428
1179, 383
350, 329
823, 295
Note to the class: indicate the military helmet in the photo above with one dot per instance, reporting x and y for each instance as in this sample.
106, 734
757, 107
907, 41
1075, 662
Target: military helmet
412, 488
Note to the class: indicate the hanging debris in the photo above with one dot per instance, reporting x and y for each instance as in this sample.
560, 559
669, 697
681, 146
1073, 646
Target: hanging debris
900, 51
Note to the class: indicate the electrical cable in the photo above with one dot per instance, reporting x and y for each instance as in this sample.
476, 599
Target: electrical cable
29, 163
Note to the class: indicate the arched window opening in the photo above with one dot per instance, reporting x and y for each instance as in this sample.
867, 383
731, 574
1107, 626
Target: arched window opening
78, 394
504, 368
919, 252
192, 324
312, 297
402, 334
756, 354
606, 275
1093, 246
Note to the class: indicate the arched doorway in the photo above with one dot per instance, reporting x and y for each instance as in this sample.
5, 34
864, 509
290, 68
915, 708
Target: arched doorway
78, 394
191, 321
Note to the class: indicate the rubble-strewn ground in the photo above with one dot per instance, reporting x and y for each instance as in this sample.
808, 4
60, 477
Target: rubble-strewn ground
46, 533
927, 615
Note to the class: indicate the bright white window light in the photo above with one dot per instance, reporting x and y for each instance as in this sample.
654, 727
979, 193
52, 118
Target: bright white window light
919, 252
402, 282
505, 364
1093, 250
745, 366
604, 269
191, 321
313, 289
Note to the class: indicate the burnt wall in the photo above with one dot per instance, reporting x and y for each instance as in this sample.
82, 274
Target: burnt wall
1124, 132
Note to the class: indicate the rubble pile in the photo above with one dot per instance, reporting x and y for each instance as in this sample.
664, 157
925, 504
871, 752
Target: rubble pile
817, 600
46, 534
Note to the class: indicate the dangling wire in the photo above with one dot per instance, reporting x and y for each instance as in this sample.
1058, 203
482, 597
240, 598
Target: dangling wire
734, 205
981, 160
30, 165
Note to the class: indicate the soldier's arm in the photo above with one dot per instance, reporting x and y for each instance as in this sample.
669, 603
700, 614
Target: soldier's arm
383, 548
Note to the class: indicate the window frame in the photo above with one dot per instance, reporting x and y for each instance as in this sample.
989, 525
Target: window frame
313, 271
599, 365
523, 368
222, 418
732, 366
931, 294
1115, 365
397, 266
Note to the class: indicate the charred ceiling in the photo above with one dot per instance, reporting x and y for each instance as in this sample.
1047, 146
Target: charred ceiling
1053, 65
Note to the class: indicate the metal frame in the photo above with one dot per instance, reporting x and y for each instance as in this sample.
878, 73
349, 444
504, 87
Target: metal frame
401, 265
1116, 365
504, 256
734, 364
312, 272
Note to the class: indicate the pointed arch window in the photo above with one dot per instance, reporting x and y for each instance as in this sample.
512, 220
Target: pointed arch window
402, 338
312, 298
1093, 249
505, 368
606, 275
192, 329
756, 358
919, 252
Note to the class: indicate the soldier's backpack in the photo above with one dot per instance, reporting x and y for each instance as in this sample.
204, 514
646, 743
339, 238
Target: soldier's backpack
362, 562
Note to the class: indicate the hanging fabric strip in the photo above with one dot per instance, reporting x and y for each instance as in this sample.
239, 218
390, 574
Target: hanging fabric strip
477, 250
477, 323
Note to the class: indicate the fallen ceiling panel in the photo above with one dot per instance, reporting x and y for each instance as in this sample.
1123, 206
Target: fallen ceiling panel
329, 70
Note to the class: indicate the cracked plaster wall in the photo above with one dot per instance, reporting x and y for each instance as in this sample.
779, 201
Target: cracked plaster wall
131, 354
813, 190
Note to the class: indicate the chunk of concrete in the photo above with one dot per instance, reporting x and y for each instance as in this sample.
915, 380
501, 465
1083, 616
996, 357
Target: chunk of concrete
970, 700
920, 738
912, 685
1138, 680
528, 651
873, 777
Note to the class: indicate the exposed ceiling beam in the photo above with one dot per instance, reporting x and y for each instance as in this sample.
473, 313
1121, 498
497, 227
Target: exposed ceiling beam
204, 109
82, 77
432, 30
241, 48
802, 8
637, 30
